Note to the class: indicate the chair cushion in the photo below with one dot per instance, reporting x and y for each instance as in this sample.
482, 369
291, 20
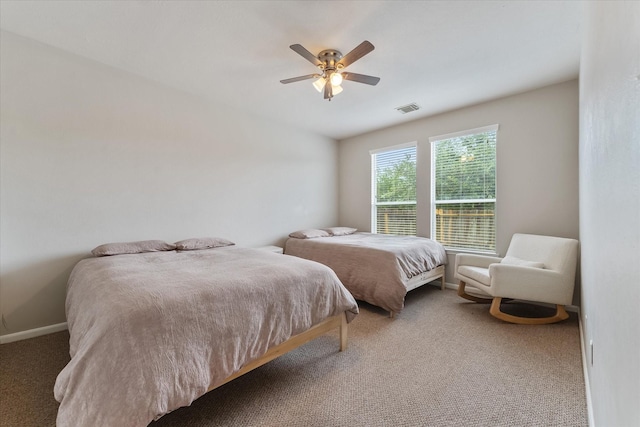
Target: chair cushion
511, 260
476, 273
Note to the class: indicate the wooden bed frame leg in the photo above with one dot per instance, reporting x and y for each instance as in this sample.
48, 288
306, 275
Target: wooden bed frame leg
344, 329
442, 286
330, 324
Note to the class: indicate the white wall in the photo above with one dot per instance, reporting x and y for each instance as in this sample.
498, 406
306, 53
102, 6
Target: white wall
91, 155
537, 163
610, 208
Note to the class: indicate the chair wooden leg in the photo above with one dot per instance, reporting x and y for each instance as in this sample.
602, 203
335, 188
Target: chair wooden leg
465, 295
560, 315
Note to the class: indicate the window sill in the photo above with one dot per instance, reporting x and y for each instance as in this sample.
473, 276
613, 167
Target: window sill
470, 251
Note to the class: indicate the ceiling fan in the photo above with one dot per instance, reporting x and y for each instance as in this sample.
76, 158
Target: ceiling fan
331, 64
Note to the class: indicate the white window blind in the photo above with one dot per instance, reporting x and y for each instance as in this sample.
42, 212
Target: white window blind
394, 190
464, 189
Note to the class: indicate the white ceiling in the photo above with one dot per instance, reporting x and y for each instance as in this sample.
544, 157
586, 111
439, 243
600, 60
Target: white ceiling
441, 55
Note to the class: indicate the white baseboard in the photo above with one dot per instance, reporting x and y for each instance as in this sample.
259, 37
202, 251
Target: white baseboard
32, 333
453, 286
585, 373
574, 309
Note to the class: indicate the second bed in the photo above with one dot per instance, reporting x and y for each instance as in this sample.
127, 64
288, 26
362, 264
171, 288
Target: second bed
377, 268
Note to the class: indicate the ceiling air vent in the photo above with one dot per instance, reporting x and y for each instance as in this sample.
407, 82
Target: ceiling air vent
408, 108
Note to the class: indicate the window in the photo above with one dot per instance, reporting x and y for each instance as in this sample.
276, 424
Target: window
463, 194
394, 190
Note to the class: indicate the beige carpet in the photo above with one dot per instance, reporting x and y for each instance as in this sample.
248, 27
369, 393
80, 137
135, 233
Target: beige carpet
443, 361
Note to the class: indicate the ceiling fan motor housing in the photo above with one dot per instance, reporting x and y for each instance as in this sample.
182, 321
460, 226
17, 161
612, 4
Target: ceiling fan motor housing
329, 58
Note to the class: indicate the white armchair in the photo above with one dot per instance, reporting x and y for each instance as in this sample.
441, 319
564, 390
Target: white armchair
535, 268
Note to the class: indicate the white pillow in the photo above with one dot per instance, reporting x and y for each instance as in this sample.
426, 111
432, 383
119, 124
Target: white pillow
202, 243
132, 247
340, 231
309, 233
511, 260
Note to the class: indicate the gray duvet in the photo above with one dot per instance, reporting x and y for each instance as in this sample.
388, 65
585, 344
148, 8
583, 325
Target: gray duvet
152, 332
374, 267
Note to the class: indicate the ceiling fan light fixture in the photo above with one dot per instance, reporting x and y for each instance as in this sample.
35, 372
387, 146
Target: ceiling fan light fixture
336, 79
319, 84
336, 89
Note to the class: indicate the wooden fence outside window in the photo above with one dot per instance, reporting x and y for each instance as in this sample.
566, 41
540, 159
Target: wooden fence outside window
466, 228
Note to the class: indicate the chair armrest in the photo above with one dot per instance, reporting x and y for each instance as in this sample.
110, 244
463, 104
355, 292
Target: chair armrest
530, 284
475, 260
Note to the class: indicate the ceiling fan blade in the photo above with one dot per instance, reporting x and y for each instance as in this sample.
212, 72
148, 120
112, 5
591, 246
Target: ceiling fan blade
328, 91
361, 50
306, 54
361, 78
297, 79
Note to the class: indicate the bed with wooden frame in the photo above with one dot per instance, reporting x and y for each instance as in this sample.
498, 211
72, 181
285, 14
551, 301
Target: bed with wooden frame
377, 268
338, 322
152, 332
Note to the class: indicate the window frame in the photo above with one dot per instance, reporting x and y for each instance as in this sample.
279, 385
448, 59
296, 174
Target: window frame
433, 202
374, 202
